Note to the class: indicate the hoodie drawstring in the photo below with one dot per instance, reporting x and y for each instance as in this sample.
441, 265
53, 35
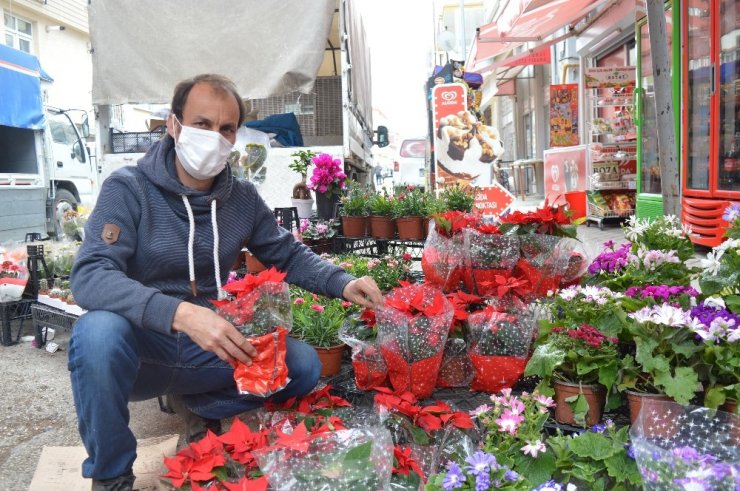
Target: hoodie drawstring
191, 242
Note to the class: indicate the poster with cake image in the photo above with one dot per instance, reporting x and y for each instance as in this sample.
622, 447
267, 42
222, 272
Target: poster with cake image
465, 150
564, 115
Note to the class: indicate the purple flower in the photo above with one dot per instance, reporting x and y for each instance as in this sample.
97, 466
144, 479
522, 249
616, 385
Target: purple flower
611, 261
454, 478
511, 475
481, 463
598, 428
693, 484
686, 453
482, 482
631, 452
549, 486
731, 213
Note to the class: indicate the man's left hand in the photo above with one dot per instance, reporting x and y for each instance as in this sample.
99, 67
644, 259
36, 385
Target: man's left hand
363, 291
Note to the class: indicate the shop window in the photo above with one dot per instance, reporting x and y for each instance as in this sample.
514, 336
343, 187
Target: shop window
18, 33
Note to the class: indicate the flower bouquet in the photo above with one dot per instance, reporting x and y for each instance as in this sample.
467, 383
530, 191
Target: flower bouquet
412, 329
260, 308
719, 329
343, 460
686, 447
456, 369
668, 354
583, 365
13, 273
491, 255
73, 224
499, 340
444, 258
359, 333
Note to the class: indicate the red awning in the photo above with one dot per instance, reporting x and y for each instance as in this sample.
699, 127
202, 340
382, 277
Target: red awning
526, 21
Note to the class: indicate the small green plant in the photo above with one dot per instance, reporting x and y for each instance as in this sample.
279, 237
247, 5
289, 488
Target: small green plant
434, 205
354, 203
316, 320
457, 198
301, 162
380, 205
410, 203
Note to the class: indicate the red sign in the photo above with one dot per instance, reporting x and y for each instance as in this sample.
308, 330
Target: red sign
565, 171
539, 56
447, 99
492, 200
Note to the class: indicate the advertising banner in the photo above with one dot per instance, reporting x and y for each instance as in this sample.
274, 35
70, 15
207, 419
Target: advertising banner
611, 76
564, 115
492, 200
565, 171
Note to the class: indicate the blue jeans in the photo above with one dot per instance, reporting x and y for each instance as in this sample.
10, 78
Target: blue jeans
113, 362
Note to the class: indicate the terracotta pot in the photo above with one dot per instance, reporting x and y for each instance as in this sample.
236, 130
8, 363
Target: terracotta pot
410, 228
595, 397
636, 400
253, 264
331, 359
425, 226
354, 226
730, 406
382, 227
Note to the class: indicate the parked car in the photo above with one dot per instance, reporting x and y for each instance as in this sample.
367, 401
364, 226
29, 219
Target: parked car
410, 164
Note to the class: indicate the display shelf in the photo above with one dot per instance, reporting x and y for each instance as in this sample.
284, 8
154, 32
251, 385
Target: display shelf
47, 316
371, 247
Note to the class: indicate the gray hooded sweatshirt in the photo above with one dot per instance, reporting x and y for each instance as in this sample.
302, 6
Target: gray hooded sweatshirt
135, 257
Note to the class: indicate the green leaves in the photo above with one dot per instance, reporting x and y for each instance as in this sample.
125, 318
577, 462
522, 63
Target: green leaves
681, 386
579, 405
545, 359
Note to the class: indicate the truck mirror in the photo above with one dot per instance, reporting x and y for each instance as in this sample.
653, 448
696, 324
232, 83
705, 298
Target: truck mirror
78, 153
382, 140
85, 126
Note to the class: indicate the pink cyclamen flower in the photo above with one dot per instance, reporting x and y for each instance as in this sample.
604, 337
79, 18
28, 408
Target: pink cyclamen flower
317, 307
509, 422
299, 301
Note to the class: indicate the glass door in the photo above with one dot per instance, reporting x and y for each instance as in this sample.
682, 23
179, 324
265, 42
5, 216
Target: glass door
698, 91
728, 172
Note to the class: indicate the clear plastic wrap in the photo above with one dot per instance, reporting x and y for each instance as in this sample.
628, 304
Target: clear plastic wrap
490, 255
499, 339
456, 369
686, 447
367, 360
544, 259
412, 330
13, 272
444, 262
344, 460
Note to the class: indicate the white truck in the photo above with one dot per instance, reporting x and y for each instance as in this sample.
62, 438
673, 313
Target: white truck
269, 49
45, 168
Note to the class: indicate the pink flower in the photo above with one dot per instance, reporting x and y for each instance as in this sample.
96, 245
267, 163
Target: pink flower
317, 307
509, 422
544, 402
299, 301
517, 406
406, 256
346, 304
534, 449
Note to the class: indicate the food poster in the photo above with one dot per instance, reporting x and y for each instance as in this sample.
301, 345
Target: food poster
565, 171
466, 150
564, 115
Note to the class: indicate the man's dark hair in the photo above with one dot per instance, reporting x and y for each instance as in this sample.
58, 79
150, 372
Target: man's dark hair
218, 82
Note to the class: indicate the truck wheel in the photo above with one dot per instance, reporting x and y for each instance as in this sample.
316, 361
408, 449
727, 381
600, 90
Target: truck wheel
64, 202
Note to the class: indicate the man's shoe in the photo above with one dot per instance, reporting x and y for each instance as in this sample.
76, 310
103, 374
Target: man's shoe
196, 426
120, 483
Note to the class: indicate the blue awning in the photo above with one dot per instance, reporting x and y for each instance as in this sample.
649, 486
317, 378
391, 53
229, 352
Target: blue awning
20, 89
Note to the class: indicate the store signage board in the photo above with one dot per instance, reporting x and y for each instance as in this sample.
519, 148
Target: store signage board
565, 171
447, 99
492, 200
610, 76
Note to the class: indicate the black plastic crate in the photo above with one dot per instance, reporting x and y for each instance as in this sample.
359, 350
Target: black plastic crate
46, 316
134, 142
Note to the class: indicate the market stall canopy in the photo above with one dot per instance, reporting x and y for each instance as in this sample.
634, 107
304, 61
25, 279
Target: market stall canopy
20, 86
141, 49
524, 21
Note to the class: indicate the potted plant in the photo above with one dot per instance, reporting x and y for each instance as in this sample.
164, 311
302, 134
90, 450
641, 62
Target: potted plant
491, 255
592, 305
667, 361
316, 320
318, 235
409, 213
582, 365
457, 198
328, 181
433, 205
354, 210
389, 271
381, 208
302, 199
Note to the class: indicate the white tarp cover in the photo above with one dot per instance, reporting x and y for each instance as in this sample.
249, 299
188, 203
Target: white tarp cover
143, 48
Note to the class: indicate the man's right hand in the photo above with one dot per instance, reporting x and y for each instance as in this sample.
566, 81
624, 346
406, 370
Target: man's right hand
213, 333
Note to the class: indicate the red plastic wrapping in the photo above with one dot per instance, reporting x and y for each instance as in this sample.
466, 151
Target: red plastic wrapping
544, 260
500, 339
268, 372
412, 330
370, 368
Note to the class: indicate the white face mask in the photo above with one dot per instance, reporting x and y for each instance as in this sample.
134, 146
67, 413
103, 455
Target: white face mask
202, 153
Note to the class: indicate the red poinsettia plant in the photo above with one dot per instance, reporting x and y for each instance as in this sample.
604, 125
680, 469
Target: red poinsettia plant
359, 332
549, 220
451, 223
412, 329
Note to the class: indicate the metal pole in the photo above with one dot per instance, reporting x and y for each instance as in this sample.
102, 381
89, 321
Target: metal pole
661, 62
464, 50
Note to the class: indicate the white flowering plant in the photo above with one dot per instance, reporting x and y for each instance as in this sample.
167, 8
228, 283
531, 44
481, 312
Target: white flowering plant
595, 305
668, 357
664, 233
721, 268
